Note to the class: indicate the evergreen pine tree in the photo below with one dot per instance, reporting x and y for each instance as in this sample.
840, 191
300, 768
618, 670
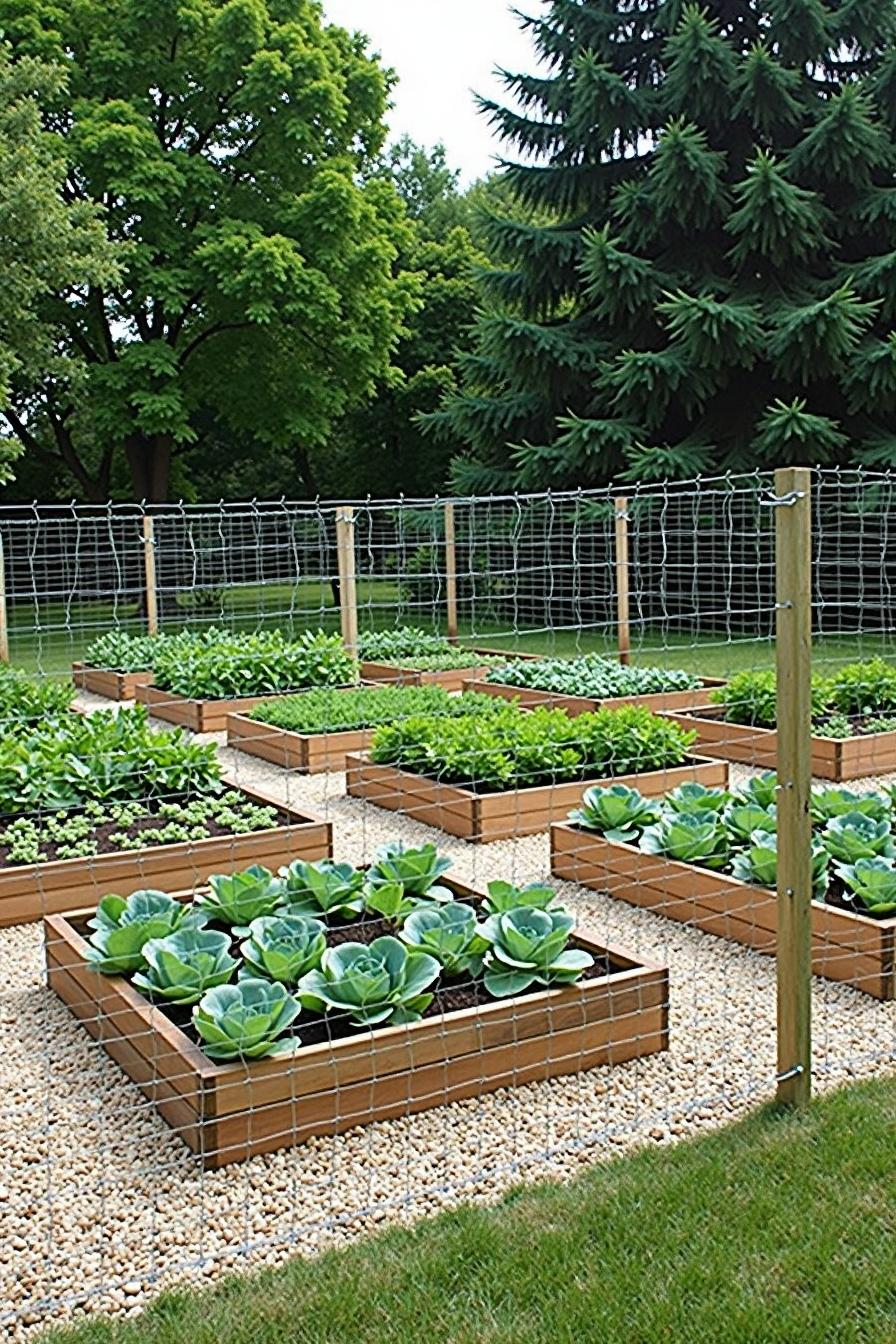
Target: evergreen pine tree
700, 269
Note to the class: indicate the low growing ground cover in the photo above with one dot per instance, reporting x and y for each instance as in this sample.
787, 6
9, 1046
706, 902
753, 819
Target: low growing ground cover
259, 965
854, 845
772, 1230
511, 748
330, 711
858, 698
593, 676
422, 650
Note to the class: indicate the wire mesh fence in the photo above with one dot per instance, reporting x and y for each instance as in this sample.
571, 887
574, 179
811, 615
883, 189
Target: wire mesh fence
298, 934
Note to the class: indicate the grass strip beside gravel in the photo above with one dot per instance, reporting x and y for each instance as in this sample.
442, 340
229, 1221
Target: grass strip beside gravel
778, 1229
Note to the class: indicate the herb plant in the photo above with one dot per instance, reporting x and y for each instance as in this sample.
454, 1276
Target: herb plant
592, 676
856, 699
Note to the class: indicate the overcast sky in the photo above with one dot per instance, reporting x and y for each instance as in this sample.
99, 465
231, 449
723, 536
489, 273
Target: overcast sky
442, 50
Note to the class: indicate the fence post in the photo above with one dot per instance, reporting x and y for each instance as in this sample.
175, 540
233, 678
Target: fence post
793, 565
348, 594
4, 624
149, 568
451, 572
622, 609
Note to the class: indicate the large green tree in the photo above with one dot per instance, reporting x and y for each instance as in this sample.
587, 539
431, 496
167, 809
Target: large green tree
229, 144
707, 277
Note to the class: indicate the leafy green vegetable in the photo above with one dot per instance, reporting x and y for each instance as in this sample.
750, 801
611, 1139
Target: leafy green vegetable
759, 862
615, 811
503, 896
872, 882
417, 869
689, 837
24, 701
760, 789
238, 898
388, 646
450, 933
593, 676
283, 947
246, 1020
751, 698
863, 688
529, 946
853, 835
122, 652
742, 818
827, 803
242, 665
322, 888
391, 901
122, 926
858, 690
371, 983
182, 966
335, 711
692, 796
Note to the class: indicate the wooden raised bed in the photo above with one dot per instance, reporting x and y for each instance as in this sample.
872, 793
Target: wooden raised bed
530, 698
308, 753
835, 759
201, 716
484, 817
451, 680
106, 681
848, 947
30, 891
229, 1112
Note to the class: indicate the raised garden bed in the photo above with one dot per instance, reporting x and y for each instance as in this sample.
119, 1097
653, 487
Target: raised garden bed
846, 946
836, 759
307, 753
107, 682
505, 815
530, 698
229, 1112
28, 891
201, 716
450, 679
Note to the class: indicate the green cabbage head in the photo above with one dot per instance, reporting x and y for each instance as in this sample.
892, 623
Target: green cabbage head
371, 983
246, 1020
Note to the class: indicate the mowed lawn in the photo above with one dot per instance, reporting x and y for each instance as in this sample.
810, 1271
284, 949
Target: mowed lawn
779, 1230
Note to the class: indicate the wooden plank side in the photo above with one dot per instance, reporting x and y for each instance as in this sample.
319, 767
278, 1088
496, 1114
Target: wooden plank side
442, 806
308, 753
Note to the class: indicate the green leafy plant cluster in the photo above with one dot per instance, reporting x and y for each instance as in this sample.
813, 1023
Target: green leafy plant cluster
736, 832
510, 747
121, 651
422, 650
254, 950
332, 711
593, 676
856, 699
25, 702
253, 664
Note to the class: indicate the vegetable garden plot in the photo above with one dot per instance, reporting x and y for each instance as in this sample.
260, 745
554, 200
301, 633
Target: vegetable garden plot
580, 685
108, 682
342, 1078
413, 657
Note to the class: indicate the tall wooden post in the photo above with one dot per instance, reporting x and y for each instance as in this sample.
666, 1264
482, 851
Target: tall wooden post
4, 624
451, 573
149, 569
793, 563
348, 592
622, 605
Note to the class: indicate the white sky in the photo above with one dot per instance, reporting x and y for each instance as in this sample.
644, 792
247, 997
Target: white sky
443, 50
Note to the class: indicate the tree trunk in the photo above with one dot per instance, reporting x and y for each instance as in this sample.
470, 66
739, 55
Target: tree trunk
149, 459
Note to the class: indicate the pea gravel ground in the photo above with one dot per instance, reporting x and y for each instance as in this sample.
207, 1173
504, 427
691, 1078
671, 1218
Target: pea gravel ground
102, 1207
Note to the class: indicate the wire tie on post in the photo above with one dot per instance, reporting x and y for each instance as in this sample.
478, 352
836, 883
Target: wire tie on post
783, 501
794, 1072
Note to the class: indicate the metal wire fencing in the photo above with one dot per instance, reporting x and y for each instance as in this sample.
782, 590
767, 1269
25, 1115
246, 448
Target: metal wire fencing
298, 935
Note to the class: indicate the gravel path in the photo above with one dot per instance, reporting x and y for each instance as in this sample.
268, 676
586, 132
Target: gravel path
101, 1206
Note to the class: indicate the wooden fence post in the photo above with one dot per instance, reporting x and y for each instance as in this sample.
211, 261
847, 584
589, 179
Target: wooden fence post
4, 624
149, 568
451, 572
793, 564
348, 593
622, 605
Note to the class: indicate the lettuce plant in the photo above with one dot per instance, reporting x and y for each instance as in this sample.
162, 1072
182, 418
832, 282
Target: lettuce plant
416, 869
283, 947
742, 818
504, 896
184, 965
760, 789
392, 901
616, 811
246, 1020
451, 934
527, 947
871, 883
758, 863
691, 796
592, 675
372, 983
238, 898
827, 803
853, 835
253, 664
689, 837
123, 926
322, 888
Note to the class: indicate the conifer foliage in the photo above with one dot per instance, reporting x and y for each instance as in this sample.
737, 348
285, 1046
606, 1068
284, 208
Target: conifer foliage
700, 269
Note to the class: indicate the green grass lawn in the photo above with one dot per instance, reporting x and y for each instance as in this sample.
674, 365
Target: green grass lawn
779, 1230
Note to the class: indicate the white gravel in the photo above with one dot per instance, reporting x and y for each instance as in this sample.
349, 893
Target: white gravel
101, 1206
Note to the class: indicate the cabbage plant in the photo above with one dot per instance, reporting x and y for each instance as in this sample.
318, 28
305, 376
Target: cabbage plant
825, 804
760, 789
416, 869
742, 817
392, 901
323, 888
759, 862
617, 812
451, 934
853, 835
123, 926
238, 898
246, 1020
184, 965
527, 947
872, 884
689, 837
505, 896
283, 947
372, 983
693, 797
